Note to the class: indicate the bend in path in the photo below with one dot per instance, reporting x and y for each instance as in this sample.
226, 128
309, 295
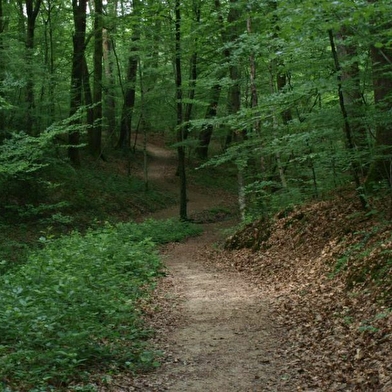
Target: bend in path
216, 330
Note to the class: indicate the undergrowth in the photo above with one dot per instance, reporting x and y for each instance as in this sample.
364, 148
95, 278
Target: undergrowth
72, 308
60, 199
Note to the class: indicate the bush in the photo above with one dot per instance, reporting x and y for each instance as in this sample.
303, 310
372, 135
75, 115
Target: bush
72, 308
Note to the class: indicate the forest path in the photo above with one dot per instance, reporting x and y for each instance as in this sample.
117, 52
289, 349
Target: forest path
214, 327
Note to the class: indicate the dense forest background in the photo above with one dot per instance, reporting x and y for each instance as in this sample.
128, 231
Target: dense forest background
295, 94
283, 102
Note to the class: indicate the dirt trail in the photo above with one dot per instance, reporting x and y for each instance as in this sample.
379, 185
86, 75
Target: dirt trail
223, 340
215, 330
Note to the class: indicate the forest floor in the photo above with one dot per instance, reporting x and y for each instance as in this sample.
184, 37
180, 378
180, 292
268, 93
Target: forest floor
246, 320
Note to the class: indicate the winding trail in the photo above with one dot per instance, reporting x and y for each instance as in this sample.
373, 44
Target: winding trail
215, 328
223, 340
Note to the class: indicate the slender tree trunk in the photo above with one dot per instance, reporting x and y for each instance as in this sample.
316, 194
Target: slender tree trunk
124, 141
144, 130
252, 79
207, 130
192, 76
234, 97
47, 82
2, 65
95, 133
278, 63
381, 168
347, 127
180, 128
32, 10
234, 94
351, 88
381, 56
87, 97
192, 73
79, 15
275, 124
110, 101
233, 101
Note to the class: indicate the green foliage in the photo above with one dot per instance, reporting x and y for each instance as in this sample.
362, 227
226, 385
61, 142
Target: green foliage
73, 307
24, 160
22, 154
163, 231
224, 177
104, 195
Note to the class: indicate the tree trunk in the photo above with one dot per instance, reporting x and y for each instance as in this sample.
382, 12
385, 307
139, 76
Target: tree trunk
32, 10
144, 130
347, 126
351, 88
252, 79
180, 128
234, 94
381, 56
277, 64
87, 97
124, 141
95, 133
48, 77
110, 102
79, 15
207, 130
382, 85
2, 65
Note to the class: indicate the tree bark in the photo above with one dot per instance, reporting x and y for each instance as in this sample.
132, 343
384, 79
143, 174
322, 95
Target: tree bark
351, 88
110, 102
347, 126
179, 121
87, 97
381, 167
32, 10
124, 141
2, 125
252, 79
79, 15
382, 84
234, 94
48, 77
95, 133
207, 130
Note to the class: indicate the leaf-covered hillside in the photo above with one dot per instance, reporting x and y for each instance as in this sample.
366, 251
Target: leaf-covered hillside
330, 268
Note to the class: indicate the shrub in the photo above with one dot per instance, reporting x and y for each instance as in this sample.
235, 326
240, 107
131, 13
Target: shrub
72, 308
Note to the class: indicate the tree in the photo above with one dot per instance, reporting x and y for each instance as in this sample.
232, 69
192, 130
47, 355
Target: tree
32, 10
79, 8
124, 141
347, 124
234, 94
381, 57
109, 87
95, 132
207, 128
2, 26
179, 111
